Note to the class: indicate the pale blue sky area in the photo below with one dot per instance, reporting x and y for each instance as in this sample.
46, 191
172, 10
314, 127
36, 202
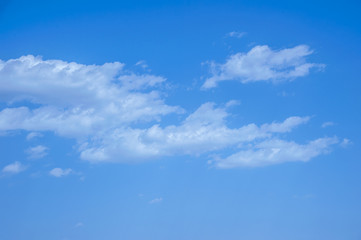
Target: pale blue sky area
180, 120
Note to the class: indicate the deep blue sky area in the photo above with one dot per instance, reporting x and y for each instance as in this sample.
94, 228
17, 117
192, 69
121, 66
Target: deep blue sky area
179, 120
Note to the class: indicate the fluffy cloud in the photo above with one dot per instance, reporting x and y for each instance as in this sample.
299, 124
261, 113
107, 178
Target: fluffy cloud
36, 152
203, 131
14, 168
74, 99
115, 115
58, 172
263, 64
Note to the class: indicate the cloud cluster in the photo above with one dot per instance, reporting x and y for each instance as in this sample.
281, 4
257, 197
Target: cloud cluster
203, 131
262, 64
76, 100
104, 107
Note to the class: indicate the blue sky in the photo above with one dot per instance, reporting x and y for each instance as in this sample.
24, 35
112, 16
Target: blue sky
180, 120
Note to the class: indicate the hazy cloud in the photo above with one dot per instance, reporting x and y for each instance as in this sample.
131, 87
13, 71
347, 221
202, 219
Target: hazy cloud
14, 168
33, 135
346, 142
58, 172
275, 151
327, 124
79, 224
236, 34
37, 152
142, 64
156, 200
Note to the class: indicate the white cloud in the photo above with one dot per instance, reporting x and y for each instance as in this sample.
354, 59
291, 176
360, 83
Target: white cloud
102, 108
156, 200
345, 142
275, 151
232, 103
76, 100
201, 132
14, 168
136, 82
33, 135
285, 126
142, 64
37, 152
263, 64
58, 172
327, 124
236, 34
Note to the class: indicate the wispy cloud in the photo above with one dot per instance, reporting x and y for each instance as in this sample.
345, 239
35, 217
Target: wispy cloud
37, 152
327, 124
142, 64
275, 151
33, 135
58, 172
14, 168
79, 224
346, 142
236, 34
262, 63
105, 104
156, 200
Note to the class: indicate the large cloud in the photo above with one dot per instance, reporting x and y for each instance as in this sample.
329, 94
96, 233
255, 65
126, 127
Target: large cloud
203, 131
102, 106
263, 64
76, 100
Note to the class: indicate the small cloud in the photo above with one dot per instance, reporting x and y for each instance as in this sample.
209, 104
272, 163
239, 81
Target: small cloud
33, 135
37, 152
79, 224
262, 63
156, 200
236, 34
327, 124
232, 103
14, 168
345, 142
140, 195
142, 64
58, 172
286, 94
36, 174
